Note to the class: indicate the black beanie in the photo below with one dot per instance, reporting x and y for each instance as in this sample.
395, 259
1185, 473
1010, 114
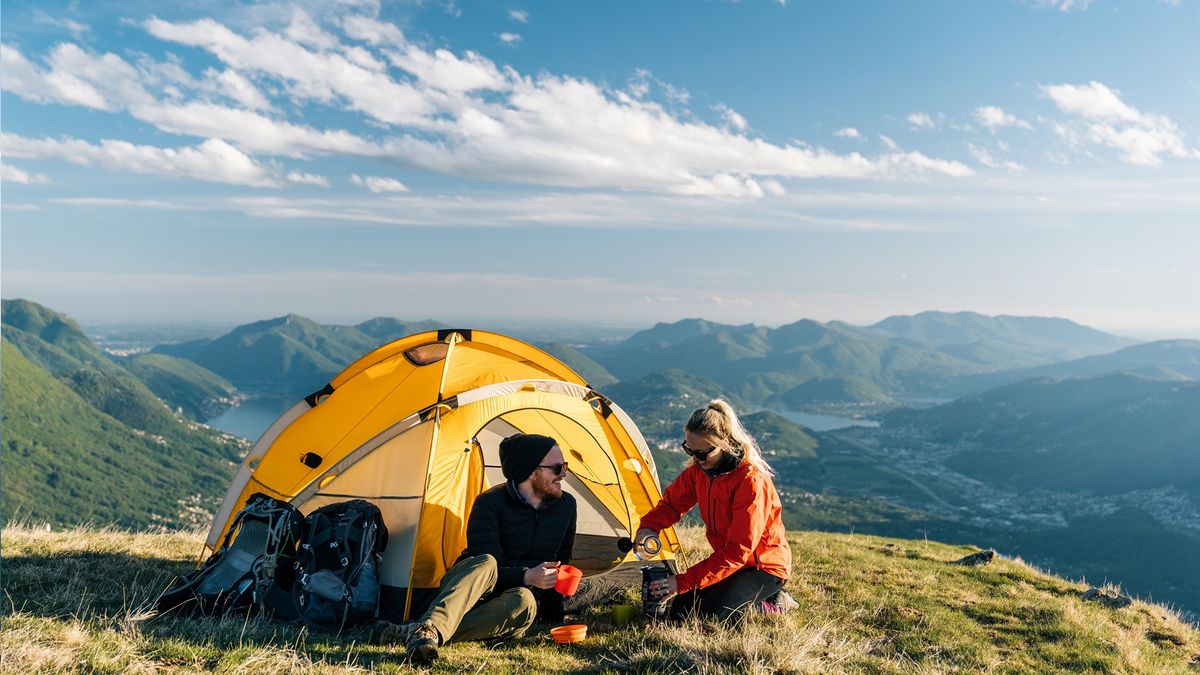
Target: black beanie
520, 454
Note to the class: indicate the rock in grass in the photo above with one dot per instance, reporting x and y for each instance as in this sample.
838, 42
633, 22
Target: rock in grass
976, 559
1110, 599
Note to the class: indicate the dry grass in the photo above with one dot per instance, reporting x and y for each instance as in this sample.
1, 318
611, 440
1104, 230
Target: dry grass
79, 601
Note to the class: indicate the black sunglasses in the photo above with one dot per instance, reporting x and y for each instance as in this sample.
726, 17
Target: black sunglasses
558, 469
698, 454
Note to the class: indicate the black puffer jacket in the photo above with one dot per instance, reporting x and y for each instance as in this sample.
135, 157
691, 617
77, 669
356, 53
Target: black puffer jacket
518, 536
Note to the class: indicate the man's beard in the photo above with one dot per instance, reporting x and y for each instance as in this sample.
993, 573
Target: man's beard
545, 488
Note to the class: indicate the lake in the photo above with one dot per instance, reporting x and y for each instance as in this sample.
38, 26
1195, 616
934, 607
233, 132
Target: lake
823, 422
252, 417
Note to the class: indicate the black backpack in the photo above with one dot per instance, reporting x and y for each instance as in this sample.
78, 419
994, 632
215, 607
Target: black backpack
260, 543
337, 565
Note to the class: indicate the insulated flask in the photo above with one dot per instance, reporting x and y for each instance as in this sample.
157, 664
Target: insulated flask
655, 609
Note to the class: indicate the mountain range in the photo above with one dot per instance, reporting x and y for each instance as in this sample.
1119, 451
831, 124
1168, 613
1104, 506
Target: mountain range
812, 364
1020, 451
86, 440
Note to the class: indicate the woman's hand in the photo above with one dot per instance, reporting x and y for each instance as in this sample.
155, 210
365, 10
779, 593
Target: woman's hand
542, 576
664, 588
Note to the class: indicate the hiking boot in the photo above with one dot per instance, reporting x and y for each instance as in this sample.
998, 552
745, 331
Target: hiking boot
388, 633
422, 643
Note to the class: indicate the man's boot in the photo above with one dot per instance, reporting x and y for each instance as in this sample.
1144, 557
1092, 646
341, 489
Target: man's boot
422, 644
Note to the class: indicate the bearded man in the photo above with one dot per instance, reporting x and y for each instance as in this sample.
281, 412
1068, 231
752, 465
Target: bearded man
517, 536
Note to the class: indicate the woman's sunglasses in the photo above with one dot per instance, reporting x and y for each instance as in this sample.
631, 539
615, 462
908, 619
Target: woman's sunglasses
698, 454
558, 469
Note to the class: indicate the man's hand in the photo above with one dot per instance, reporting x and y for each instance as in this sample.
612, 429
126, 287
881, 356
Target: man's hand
664, 588
542, 576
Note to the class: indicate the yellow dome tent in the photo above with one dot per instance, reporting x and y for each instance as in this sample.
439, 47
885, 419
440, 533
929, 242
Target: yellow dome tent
415, 426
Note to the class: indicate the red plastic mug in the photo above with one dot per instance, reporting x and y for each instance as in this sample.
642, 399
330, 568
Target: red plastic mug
568, 579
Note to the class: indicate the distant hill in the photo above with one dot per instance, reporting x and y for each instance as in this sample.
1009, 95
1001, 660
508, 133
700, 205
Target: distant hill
1102, 435
760, 364
593, 373
289, 355
1001, 341
385, 329
195, 390
666, 334
825, 390
55, 343
50, 339
67, 461
1162, 360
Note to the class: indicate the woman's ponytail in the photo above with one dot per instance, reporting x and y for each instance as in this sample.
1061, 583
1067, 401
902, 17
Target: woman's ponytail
718, 421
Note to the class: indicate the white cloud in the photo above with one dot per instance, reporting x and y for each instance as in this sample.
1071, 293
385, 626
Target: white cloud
518, 15
847, 132
1093, 101
1105, 119
12, 174
75, 27
921, 120
212, 160
455, 114
887, 140
321, 76
303, 30
986, 158
1065, 5
732, 118
74, 78
378, 184
509, 38
253, 131
116, 202
232, 84
441, 70
992, 118
301, 178
369, 30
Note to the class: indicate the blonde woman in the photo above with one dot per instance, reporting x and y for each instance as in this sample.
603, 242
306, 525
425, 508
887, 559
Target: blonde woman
729, 480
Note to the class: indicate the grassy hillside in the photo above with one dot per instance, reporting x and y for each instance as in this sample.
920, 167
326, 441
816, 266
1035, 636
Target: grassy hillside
181, 384
54, 340
78, 601
65, 461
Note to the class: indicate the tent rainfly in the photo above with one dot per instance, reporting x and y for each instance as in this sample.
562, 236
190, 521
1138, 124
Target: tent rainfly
415, 427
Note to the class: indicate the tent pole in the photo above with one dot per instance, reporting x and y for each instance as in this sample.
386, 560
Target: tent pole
451, 340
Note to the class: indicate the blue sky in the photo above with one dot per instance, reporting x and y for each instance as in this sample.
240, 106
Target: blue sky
617, 163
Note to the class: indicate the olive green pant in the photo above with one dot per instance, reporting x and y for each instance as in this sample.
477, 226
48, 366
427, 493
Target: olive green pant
459, 616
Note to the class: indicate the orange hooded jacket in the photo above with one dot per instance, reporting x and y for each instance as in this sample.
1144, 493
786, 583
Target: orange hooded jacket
742, 518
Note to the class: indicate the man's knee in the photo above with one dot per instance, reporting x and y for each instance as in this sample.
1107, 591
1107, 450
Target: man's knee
521, 607
480, 564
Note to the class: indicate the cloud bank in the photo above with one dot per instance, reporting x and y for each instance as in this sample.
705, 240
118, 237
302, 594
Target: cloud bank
430, 109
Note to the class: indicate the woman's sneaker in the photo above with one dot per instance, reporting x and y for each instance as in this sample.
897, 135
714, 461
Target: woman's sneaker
422, 643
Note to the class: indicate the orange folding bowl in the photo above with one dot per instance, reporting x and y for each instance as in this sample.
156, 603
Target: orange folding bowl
567, 634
